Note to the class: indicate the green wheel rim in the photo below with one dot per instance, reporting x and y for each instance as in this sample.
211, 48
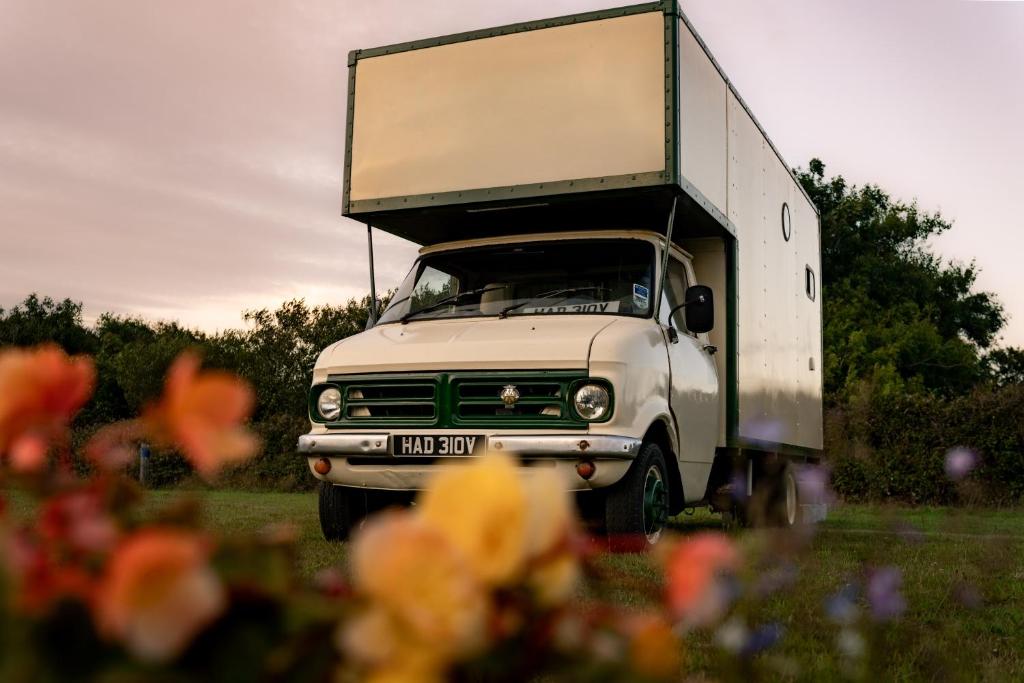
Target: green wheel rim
655, 504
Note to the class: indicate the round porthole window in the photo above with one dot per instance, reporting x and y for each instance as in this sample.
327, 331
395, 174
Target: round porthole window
787, 222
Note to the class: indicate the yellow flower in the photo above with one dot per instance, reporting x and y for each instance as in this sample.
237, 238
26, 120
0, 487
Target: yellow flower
482, 509
393, 651
426, 606
552, 566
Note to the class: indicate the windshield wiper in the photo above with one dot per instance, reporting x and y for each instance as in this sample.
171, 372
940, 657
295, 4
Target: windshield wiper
564, 293
454, 298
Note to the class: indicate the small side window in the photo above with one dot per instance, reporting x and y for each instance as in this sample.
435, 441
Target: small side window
787, 222
810, 283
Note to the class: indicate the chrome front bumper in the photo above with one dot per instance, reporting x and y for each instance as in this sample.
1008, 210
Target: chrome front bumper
523, 445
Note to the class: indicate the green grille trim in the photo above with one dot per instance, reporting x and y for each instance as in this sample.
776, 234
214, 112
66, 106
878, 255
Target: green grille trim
450, 393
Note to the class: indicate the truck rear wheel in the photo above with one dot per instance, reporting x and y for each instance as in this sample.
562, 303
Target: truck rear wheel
636, 508
775, 501
783, 501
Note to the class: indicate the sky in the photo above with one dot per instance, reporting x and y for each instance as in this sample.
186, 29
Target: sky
182, 160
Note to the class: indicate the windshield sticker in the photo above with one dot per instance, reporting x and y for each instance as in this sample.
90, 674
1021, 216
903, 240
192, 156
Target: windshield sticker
596, 307
641, 295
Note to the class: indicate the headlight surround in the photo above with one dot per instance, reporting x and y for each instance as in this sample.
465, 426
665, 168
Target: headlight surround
328, 404
592, 401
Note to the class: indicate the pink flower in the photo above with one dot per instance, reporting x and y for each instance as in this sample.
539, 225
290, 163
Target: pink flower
79, 520
697, 590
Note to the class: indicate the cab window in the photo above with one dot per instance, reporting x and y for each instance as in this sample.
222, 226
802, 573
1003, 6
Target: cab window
675, 293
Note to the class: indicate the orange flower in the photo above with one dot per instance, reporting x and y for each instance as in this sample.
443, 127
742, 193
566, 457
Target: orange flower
695, 591
158, 593
41, 390
202, 413
654, 650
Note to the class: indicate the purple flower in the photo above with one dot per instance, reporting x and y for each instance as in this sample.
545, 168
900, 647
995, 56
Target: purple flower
738, 486
778, 578
763, 638
767, 431
884, 596
842, 607
959, 463
813, 483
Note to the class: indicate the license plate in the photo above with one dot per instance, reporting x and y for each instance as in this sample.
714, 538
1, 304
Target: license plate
436, 445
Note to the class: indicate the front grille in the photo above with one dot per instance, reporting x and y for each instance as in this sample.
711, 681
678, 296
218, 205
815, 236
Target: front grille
480, 400
457, 399
388, 400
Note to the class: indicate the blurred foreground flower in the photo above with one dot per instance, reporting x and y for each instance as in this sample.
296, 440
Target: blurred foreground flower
41, 390
426, 606
884, 594
482, 510
445, 579
78, 521
960, 462
511, 524
158, 593
654, 649
202, 413
699, 572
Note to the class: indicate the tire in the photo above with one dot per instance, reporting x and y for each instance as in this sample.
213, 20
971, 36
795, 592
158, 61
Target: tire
784, 501
636, 508
343, 509
338, 513
778, 495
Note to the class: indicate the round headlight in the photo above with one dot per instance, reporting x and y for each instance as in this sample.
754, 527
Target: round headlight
592, 401
328, 404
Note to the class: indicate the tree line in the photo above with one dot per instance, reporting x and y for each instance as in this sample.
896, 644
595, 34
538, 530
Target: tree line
908, 340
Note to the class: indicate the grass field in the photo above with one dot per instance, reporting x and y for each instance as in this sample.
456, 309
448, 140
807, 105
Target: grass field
963, 580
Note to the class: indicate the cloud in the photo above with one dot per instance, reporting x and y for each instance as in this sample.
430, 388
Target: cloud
183, 159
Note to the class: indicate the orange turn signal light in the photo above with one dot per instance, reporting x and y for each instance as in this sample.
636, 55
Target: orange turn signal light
322, 466
586, 469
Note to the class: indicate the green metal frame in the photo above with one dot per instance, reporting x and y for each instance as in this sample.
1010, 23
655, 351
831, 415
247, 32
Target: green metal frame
444, 401
667, 176
732, 396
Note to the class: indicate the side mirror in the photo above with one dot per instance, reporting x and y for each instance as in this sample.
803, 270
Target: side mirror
700, 309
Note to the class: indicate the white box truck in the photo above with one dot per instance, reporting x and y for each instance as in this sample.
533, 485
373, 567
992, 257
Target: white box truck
618, 277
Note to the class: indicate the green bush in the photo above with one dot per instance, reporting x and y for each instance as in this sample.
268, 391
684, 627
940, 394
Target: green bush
894, 446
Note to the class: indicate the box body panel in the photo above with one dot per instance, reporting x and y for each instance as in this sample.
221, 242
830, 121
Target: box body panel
603, 121
569, 102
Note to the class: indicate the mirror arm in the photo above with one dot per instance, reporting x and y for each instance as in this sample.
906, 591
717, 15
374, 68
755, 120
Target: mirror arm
698, 300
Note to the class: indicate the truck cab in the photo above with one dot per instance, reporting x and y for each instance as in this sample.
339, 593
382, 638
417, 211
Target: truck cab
617, 278
548, 347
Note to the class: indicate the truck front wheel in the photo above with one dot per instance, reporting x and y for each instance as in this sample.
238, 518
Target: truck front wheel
343, 509
339, 511
636, 508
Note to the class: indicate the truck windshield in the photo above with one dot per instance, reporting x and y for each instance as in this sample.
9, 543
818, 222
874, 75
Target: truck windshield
598, 277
